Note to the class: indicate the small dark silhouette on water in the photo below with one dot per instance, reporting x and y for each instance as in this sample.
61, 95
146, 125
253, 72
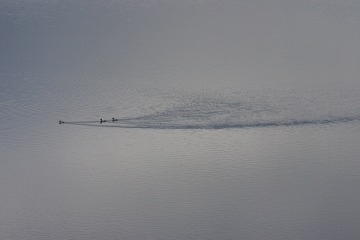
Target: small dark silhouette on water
100, 121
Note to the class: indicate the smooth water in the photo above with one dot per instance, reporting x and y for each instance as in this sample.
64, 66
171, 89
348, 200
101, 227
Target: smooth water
235, 120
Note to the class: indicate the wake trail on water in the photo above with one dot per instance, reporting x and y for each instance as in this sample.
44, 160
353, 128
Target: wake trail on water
224, 113
284, 123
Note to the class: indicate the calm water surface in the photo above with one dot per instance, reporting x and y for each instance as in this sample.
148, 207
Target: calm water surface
221, 135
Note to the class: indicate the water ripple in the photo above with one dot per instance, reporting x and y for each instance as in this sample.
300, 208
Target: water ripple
222, 113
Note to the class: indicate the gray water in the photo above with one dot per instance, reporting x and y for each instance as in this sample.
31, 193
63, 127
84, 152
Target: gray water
235, 119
